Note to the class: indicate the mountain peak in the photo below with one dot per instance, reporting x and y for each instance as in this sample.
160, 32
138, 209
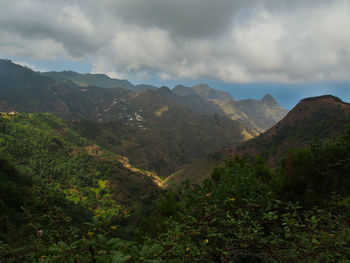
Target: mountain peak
321, 109
165, 92
324, 98
268, 99
164, 88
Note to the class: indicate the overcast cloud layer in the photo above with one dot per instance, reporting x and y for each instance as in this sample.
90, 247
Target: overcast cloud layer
233, 41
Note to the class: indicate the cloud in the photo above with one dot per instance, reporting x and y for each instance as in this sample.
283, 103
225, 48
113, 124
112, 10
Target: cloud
183, 18
232, 41
44, 48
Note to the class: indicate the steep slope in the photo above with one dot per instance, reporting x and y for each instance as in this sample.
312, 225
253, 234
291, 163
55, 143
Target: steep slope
316, 117
43, 147
257, 115
16, 76
264, 113
57, 187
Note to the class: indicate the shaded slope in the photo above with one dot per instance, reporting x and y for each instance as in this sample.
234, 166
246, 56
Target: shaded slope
85, 80
16, 76
317, 117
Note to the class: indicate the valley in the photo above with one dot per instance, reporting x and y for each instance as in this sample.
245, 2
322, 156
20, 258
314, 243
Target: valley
96, 169
156, 128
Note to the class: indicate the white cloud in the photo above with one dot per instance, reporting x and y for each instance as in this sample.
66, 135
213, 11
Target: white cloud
71, 18
31, 66
136, 48
103, 67
12, 43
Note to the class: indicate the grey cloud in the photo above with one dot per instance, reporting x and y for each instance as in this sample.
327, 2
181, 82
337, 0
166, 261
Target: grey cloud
37, 20
196, 18
244, 40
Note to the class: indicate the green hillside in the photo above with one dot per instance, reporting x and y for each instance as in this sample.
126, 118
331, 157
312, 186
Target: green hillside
243, 213
51, 176
42, 147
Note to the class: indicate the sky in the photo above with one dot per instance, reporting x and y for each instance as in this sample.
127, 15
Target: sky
291, 49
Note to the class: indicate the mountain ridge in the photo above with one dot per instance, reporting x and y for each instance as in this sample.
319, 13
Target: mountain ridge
257, 115
200, 98
98, 80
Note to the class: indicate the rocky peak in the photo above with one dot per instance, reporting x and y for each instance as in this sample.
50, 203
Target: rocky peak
165, 92
268, 99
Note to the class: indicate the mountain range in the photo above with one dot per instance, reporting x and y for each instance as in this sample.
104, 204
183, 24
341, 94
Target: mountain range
156, 128
257, 115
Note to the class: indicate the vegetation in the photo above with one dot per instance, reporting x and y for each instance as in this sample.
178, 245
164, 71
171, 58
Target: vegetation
170, 135
59, 204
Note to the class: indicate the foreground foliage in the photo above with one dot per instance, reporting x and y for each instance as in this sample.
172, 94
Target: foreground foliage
243, 213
